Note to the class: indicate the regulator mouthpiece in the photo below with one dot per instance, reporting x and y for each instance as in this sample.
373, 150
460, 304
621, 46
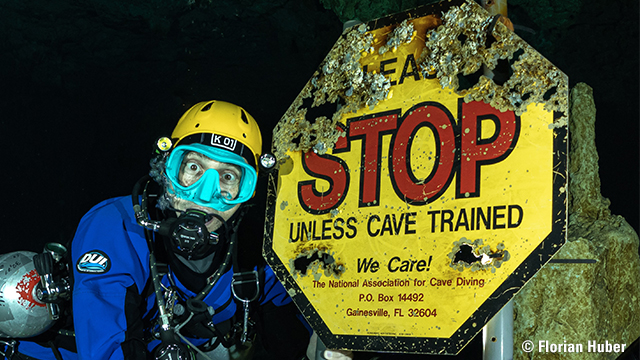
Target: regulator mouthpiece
189, 234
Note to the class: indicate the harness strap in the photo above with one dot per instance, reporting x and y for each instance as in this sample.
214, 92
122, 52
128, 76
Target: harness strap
246, 288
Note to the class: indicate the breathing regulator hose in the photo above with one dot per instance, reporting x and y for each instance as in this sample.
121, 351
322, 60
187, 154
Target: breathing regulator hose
170, 347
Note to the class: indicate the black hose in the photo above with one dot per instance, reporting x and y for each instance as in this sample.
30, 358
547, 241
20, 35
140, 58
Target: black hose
55, 350
136, 190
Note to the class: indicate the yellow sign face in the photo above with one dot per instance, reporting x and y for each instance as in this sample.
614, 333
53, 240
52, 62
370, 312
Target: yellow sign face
427, 213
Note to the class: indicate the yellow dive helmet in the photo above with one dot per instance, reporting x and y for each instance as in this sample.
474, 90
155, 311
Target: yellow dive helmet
221, 124
223, 132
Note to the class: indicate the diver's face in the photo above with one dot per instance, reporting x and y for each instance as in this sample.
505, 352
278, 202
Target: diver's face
193, 167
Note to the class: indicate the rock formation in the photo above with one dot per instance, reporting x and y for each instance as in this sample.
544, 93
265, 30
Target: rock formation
578, 302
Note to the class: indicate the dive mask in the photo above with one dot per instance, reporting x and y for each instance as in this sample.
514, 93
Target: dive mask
206, 190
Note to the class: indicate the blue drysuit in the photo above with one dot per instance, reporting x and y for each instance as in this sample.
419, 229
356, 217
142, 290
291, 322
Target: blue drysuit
110, 260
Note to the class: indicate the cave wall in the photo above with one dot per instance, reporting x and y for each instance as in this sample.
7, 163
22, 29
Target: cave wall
596, 297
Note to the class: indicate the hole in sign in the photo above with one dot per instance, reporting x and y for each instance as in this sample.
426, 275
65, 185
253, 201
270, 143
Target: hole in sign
475, 255
303, 262
318, 261
467, 255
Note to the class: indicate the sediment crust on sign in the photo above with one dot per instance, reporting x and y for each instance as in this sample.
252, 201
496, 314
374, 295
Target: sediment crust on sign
466, 45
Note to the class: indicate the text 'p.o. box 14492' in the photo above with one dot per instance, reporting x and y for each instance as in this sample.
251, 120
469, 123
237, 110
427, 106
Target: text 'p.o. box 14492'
421, 182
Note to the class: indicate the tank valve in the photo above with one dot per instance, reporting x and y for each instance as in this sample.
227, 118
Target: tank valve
50, 290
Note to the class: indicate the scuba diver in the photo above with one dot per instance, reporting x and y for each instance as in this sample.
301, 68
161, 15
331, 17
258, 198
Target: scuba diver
159, 274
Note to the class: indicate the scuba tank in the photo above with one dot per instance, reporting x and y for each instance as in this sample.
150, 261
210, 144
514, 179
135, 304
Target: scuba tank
32, 287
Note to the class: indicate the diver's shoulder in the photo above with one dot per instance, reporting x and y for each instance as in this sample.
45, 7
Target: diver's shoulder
119, 207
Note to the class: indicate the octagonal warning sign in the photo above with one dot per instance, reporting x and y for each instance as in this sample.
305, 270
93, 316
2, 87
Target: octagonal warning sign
422, 180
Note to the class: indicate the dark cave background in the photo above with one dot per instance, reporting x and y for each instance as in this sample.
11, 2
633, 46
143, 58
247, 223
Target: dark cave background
87, 87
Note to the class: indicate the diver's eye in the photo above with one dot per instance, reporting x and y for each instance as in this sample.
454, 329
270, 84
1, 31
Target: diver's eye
229, 177
192, 168
190, 173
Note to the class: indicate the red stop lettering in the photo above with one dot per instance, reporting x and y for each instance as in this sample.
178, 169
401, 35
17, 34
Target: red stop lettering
371, 129
461, 151
476, 151
327, 167
440, 121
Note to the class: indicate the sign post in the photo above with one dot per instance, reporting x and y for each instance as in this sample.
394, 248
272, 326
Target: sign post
415, 194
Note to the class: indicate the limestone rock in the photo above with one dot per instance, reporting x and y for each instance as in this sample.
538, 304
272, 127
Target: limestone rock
575, 303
